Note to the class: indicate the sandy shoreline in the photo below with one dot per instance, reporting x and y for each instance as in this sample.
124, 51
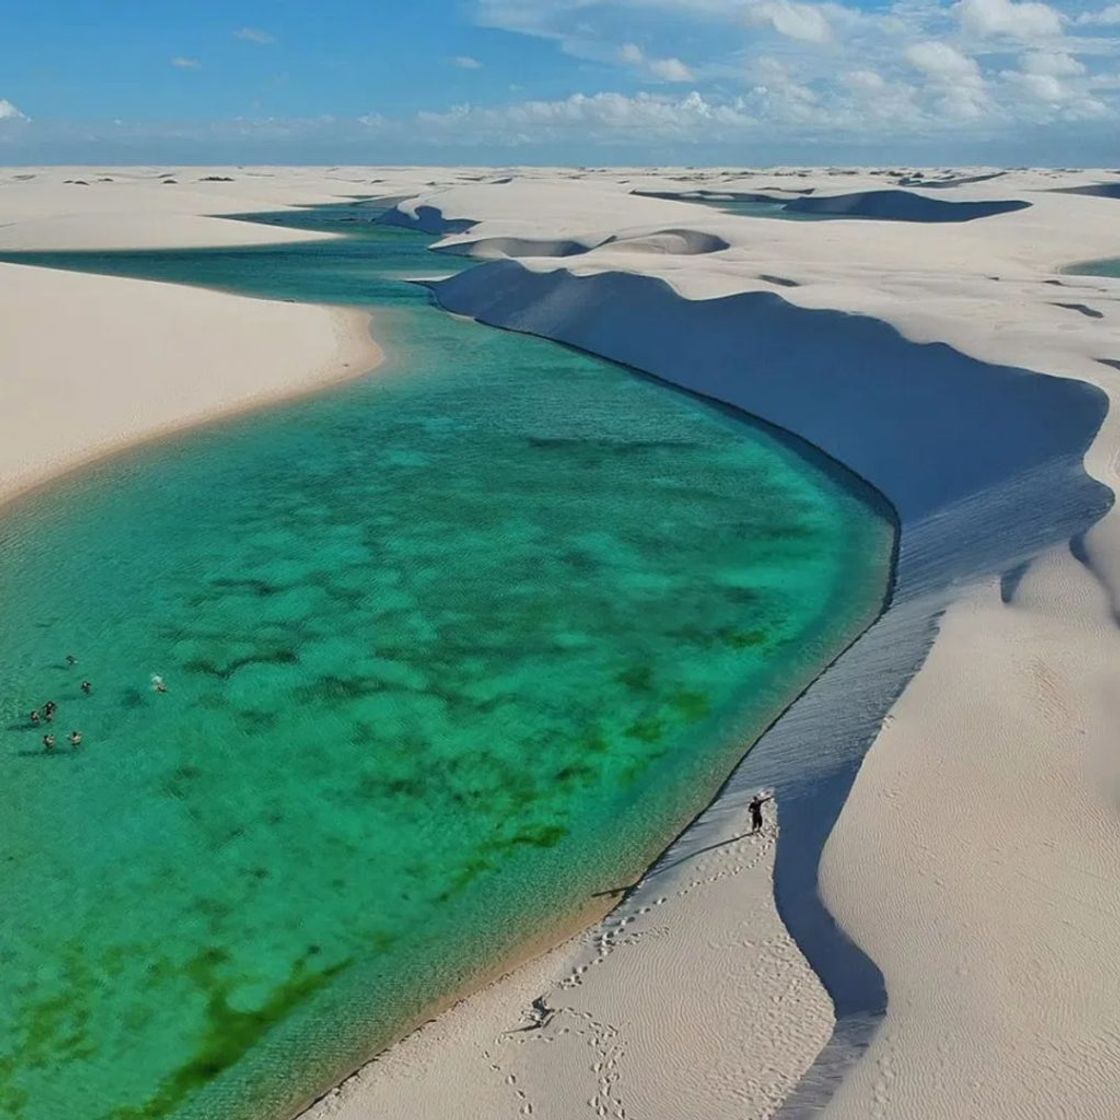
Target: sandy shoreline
477, 1062
503, 971
980, 705
358, 355
814, 1013
136, 345
139, 344
971, 525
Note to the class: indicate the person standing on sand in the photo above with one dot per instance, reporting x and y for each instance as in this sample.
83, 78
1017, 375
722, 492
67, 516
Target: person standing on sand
756, 810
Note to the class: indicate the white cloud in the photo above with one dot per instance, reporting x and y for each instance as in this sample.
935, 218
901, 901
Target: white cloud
671, 69
1046, 97
667, 69
465, 62
8, 112
805, 22
1055, 64
1042, 87
634, 119
255, 35
186, 63
953, 78
844, 62
943, 63
834, 67
1054, 85
781, 96
1029, 20
890, 104
1107, 17
818, 69
868, 80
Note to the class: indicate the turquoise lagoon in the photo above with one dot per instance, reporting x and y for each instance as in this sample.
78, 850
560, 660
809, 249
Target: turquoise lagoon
449, 650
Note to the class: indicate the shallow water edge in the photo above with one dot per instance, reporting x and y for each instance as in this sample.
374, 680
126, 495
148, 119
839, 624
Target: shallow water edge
366, 356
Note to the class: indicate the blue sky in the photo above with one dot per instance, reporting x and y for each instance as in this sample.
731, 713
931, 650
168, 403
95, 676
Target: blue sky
560, 81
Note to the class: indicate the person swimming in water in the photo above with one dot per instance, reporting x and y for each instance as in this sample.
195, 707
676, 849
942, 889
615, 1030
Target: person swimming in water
87, 687
49, 708
158, 683
48, 742
35, 718
755, 808
75, 739
71, 660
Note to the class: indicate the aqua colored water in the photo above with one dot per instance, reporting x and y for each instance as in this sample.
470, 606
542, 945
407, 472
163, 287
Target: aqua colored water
448, 651
1095, 268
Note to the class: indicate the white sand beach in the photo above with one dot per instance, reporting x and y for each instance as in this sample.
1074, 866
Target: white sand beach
91, 364
950, 364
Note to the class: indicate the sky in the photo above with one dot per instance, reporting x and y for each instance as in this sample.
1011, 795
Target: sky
585, 82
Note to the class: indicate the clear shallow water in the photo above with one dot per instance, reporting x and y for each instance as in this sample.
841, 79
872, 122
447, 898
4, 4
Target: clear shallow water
448, 650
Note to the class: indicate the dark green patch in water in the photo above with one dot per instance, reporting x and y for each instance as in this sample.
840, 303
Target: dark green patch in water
448, 651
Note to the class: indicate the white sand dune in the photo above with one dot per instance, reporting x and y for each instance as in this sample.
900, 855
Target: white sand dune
974, 725
89, 364
996, 966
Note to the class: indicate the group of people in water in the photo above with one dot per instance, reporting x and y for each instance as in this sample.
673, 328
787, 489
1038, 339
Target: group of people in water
46, 712
75, 740
50, 707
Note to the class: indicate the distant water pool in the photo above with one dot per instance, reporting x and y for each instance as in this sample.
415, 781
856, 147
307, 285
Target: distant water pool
448, 650
1109, 267
751, 206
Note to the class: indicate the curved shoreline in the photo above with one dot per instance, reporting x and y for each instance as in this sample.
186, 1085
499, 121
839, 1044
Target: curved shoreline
358, 354
595, 909
872, 673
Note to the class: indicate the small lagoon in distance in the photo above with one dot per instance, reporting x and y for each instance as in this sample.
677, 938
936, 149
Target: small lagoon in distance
1106, 267
449, 650
747, 205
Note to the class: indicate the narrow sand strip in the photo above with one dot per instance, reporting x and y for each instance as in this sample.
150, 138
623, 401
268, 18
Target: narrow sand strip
92, 364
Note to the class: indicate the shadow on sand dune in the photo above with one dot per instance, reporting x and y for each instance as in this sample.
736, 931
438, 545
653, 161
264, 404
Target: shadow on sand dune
983, 464
902, 206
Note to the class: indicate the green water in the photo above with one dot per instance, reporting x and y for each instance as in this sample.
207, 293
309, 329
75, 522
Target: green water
447, 650
1108, 267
